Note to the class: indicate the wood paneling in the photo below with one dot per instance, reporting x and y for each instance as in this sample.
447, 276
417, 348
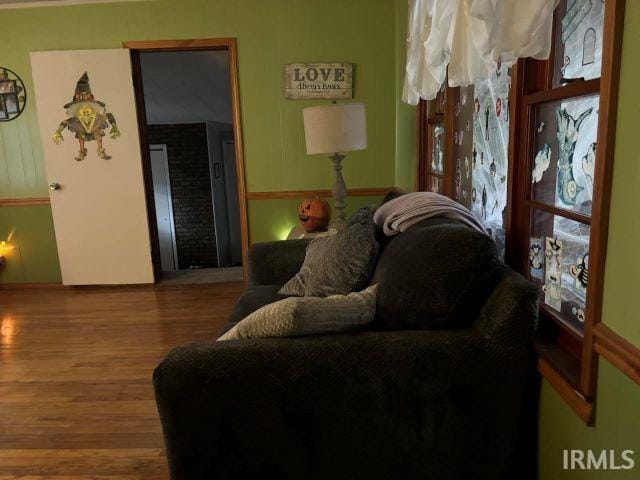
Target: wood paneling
75, 391
33, 254
273, 219
269, 35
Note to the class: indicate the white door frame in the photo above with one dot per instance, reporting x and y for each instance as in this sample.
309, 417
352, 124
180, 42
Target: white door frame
163, 148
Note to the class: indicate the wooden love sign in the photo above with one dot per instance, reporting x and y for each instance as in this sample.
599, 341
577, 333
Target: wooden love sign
318, 80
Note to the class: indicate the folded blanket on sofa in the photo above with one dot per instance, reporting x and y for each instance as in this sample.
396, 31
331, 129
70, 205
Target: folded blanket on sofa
398, 214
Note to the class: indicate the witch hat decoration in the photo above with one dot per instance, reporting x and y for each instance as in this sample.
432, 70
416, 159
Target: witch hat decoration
83, 92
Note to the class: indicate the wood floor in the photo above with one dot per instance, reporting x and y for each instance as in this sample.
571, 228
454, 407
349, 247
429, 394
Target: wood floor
76, 399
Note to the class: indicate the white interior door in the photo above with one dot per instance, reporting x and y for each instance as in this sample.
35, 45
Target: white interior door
99, 208
231, 186
164, 207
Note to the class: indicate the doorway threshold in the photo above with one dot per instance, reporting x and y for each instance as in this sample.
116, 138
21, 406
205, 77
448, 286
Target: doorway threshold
202, 275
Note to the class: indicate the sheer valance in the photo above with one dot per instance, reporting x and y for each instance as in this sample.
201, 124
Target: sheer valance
468, 37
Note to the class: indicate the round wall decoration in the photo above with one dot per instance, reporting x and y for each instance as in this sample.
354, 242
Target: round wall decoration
13, 95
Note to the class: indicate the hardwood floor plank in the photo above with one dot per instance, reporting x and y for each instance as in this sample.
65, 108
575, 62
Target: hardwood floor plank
97, 440
86, 477
76, 399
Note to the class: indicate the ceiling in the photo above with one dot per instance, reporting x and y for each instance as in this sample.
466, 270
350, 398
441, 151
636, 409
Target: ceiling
186, 87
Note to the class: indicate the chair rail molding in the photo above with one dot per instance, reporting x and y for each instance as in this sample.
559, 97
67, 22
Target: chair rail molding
285, 194
24, 202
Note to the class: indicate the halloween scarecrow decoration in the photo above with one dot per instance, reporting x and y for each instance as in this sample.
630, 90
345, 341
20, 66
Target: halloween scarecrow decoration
88, 119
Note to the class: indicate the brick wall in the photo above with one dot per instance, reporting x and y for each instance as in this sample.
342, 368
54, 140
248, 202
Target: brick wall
191, 191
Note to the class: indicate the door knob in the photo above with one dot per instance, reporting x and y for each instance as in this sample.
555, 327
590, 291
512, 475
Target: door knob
54, 186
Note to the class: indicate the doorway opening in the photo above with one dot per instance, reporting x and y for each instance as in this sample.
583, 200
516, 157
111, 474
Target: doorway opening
191, 142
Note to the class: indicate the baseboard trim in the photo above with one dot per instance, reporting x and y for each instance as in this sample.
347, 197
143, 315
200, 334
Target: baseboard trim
618, 351
24, 202
299, 194
114, 287
30, 286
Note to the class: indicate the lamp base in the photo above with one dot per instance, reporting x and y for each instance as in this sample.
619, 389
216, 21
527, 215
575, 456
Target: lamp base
339, 192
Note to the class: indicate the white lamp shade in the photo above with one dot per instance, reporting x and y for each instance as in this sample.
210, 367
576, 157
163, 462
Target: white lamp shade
335, 128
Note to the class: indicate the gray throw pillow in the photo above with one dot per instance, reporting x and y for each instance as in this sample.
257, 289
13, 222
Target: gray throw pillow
339, 264
297, 316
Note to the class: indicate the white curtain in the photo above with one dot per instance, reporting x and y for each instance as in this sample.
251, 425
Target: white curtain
468, 38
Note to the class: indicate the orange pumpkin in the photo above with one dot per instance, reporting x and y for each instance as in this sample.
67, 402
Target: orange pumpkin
314, 214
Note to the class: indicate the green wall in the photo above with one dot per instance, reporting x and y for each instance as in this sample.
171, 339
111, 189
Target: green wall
617, 418
283, 215
623, 255
617, 428
270, 34
406, 129
33, 256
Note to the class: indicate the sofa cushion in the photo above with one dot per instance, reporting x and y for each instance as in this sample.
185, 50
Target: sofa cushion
339, 264
436, 274
253, 298
299, 316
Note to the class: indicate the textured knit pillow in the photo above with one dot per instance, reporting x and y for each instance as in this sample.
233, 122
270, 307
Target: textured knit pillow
297, 316
339, 264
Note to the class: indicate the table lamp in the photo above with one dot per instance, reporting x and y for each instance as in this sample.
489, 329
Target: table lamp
335, 129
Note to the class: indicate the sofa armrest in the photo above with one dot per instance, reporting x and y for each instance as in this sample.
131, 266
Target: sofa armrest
367, 405
510, 314
274, 263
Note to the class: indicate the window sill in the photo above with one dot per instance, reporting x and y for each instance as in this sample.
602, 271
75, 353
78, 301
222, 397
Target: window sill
563, 373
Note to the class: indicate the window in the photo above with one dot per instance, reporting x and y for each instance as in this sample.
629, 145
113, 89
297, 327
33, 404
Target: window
529, 151
432, 144
465, 155
566, 109
480, 146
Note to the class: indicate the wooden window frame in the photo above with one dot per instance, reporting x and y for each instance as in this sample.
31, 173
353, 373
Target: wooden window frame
570, 362
431, 113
